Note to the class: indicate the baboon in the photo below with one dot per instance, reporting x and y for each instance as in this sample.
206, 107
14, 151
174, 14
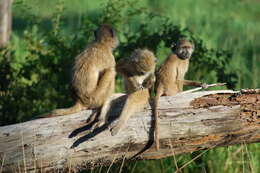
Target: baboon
170, 77
138, 76
93, 73
138, 70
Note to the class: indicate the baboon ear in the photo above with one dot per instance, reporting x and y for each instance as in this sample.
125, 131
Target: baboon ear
173, 45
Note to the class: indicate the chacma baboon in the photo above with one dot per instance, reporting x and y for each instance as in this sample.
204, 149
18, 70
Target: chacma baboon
138, 76
170, 77
93, 73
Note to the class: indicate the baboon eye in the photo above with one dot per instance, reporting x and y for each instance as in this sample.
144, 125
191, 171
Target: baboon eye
142, 72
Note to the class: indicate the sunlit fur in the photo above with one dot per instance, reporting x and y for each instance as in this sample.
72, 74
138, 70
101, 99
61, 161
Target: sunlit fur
138, 74
137, 70
143, 61
170, 76
105, 34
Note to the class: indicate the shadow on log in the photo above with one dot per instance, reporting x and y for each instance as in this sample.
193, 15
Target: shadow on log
189, 122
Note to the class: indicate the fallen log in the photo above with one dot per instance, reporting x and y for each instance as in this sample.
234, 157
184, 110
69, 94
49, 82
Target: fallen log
189, 122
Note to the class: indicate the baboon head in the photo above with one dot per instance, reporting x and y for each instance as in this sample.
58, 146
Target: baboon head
183, 49
144, 61
107, 35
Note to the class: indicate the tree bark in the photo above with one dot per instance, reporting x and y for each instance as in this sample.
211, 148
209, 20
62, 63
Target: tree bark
188, 122
5, 22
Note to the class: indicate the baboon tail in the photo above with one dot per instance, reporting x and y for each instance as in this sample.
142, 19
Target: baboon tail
159, 92
65, 111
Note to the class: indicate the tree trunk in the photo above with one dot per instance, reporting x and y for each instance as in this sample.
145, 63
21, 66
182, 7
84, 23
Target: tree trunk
188, 122
5, 22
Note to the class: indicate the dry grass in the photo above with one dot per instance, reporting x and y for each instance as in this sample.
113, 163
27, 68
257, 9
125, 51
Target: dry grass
2, 164
113, 161
186, 164
174, 158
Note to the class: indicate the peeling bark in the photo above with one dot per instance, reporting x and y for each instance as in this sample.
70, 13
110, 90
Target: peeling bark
189, 122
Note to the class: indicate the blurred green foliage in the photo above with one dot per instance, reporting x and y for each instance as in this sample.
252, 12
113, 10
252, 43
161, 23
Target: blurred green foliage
47, 35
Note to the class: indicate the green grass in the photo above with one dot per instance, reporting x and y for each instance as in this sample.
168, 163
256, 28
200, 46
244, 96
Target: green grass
233, 25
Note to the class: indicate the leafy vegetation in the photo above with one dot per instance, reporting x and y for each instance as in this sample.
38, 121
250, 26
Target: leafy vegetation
35, 67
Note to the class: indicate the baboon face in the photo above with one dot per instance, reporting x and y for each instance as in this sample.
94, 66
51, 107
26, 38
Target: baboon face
106, 34
144, 60
183, 49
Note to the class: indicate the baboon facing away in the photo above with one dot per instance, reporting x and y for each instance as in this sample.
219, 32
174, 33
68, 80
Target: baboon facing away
93, 73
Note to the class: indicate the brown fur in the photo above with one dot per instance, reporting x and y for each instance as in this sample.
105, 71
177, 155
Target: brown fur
170, 77
138, 76
93, 73
138, 70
